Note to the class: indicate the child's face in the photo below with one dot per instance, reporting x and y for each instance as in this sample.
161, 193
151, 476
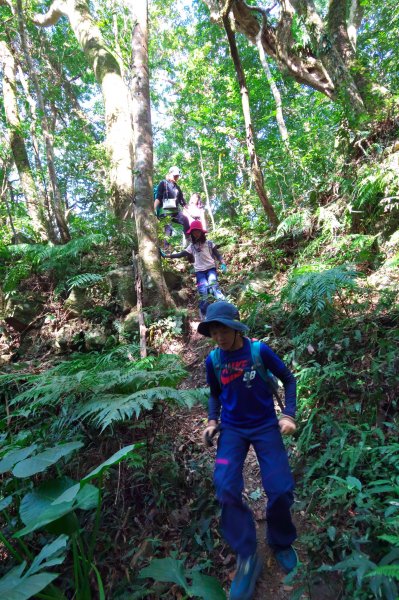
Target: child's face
196, 234
225, 337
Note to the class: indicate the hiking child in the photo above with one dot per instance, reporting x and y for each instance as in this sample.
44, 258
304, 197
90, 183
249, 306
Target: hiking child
169, 200
241, 405
204, 254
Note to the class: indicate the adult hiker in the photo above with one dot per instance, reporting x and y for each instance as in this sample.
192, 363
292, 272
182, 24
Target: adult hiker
204, 254
169, 201
241, 406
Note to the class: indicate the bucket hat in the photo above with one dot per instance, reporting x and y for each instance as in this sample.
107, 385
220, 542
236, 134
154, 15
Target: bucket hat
196, 225
224, 313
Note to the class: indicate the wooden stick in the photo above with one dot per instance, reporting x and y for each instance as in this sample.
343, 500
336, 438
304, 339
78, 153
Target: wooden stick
139, 291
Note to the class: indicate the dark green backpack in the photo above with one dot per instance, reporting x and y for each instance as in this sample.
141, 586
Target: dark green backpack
257, 365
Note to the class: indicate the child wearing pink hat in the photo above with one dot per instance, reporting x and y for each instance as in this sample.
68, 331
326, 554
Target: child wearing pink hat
204, 254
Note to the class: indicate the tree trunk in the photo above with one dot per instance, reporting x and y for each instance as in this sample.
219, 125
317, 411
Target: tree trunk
208, 202
274, 89
140, 313
117, 115
34, 202
57, 199
154, 286
40, 170
4, 188
256, 170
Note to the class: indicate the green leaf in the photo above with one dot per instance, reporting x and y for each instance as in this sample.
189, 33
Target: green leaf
40, 462
331, 532
37, 509
11, 459
49, 555
206, 587
354, 483
116, 458
5, 502
166, 570
256, 494
15, 586
113, 460
68, 495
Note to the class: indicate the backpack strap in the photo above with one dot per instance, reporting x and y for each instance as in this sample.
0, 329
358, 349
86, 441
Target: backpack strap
257, 362
216, 363
212, 249
165, 189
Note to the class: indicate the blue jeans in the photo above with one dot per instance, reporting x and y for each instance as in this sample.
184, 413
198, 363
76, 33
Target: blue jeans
207, 283
237, 523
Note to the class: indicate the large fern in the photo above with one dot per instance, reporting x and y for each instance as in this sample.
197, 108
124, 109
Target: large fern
105, 409
104, 388
296, 224
312, 291
24, 259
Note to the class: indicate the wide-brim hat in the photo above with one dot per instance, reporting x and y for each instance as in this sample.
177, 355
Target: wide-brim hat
224, 313
196, 226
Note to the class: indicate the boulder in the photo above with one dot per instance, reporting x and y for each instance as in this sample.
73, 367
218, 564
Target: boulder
173, 280
76, 335
181, 297
131, 322
95, 338
122, 287
69, 337
77, 302
20, 311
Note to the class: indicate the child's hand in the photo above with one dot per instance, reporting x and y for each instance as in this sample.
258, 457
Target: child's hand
162, 253
287, 425
223, 267
209, 433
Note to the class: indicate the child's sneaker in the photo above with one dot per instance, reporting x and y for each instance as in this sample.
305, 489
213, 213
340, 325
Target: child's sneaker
248, 571
287, 558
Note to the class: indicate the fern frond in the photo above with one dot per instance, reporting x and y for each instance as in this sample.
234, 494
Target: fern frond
43, 257
50, 257
84, 280
106, 409
392, 539
387, 570
328, 219
297, 224
105, 388
312, 291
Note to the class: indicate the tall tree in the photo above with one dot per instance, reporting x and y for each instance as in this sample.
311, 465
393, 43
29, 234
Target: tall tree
256, 169
33, 199
117, 114
57, 203
154, 285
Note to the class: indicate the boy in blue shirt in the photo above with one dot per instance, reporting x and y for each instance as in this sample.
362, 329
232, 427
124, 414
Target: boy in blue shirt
243, 401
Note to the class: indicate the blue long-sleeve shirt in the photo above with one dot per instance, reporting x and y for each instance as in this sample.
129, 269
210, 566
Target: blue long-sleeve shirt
243, 405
